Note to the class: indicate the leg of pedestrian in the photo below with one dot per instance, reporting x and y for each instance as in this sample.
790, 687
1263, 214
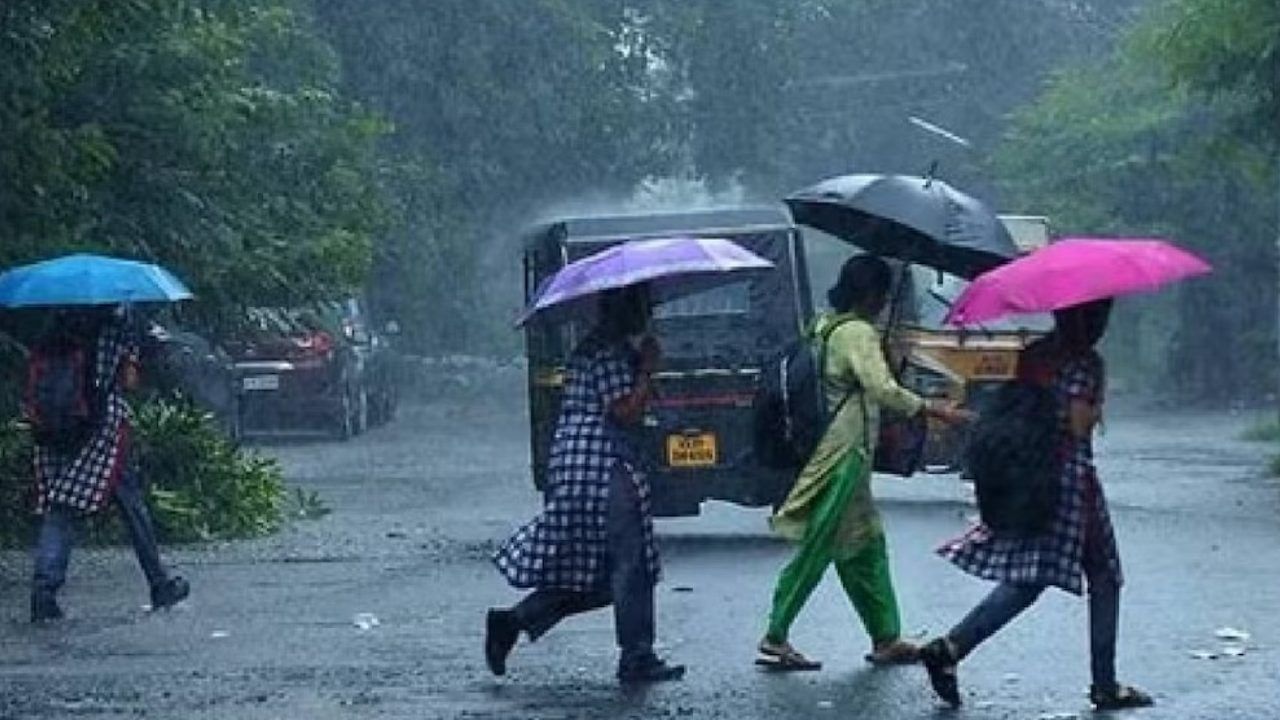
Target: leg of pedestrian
868, 582
632, 588
536, 614
1106, 693
165, 591
543, 609
801, 576
52, 555
796, 584
940, 656
1005, 602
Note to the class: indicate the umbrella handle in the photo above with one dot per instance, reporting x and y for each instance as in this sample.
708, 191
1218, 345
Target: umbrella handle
895, 306
930, 174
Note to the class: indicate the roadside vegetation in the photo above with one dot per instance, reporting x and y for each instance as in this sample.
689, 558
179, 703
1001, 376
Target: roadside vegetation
1267, 432
202, 486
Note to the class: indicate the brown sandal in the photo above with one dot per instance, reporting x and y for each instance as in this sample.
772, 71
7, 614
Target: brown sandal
784, 658
895, 652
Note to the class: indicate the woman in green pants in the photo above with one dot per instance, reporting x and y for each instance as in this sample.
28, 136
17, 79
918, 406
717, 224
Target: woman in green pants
830, 512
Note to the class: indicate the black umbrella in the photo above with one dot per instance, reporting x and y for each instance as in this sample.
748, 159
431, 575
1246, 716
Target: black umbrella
918, 220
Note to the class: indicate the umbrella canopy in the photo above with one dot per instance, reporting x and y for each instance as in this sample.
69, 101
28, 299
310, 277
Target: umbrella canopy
909, 218
1072, 271
672, 267
89, 280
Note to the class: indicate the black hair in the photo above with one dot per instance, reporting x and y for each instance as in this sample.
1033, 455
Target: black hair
624, 311
1080, 327
864, 280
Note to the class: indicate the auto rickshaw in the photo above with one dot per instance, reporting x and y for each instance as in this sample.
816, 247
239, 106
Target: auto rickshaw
965, 366
699, 432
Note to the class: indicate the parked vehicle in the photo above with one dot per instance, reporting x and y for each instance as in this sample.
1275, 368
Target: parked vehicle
308, 369
698, 434
381, 363
966, 366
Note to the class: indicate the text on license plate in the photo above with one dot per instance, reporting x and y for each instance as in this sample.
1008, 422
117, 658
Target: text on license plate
262, 382
692, 450
995, 365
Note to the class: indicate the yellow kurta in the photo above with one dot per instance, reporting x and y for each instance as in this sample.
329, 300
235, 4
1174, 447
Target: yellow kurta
855, 367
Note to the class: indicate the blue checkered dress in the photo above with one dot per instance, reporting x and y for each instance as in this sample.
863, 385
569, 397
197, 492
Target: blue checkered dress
1056, 558
566, 546
85, 480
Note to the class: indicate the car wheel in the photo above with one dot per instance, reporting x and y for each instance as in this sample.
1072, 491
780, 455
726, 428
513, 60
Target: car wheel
344, 423
235, 422
360, 421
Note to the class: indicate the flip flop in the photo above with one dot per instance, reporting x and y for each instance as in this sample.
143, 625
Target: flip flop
785, 659
895, 653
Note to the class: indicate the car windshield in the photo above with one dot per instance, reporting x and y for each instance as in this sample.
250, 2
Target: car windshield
732, 299
935, 292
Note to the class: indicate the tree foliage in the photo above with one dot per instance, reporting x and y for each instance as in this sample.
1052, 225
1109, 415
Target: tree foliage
1118, 147
205, 135
1230, 50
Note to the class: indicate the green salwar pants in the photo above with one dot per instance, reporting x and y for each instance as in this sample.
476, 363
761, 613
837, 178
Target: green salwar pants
864, 575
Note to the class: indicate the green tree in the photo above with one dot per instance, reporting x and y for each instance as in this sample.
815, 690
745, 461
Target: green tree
500, 109
1229, 50
208, 136
1111, 149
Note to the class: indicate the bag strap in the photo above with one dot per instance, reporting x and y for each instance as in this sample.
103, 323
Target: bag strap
823, 339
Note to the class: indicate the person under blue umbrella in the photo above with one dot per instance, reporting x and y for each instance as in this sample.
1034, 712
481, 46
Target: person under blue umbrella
78, 375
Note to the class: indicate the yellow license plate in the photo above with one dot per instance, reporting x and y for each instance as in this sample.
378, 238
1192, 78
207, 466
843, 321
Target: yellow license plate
693, 450
995, 365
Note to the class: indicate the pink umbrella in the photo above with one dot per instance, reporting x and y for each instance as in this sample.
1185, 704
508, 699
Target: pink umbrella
1072, 271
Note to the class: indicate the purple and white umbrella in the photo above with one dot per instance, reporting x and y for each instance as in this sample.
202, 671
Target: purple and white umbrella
671, 267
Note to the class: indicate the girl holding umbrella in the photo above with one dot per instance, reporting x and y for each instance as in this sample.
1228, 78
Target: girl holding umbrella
79, 473
830, 512
1075, 279
593, 545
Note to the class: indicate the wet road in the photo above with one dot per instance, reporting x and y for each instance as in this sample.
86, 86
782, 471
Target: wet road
269, 632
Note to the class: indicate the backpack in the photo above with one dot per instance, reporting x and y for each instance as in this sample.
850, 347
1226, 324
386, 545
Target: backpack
1013, 456
60, 401
791, 411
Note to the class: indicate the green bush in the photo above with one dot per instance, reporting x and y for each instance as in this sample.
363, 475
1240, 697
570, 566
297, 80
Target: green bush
203, 486
1267, 431
16, 487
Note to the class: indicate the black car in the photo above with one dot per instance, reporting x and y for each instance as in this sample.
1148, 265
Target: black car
317, 368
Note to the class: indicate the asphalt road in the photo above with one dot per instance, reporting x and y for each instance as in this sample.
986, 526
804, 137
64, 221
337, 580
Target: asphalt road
272, 628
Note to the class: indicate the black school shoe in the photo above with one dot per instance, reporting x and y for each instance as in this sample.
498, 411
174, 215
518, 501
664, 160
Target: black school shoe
44, 608
650, 670
169, 593
501, 631
1119, 697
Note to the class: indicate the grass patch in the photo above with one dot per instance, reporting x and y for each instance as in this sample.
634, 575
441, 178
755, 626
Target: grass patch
1266, 431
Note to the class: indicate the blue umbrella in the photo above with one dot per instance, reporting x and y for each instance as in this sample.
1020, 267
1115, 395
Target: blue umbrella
89, 280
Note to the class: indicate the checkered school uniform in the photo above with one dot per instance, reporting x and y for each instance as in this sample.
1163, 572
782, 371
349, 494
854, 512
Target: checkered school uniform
1056, 558
566, 546
85, 480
